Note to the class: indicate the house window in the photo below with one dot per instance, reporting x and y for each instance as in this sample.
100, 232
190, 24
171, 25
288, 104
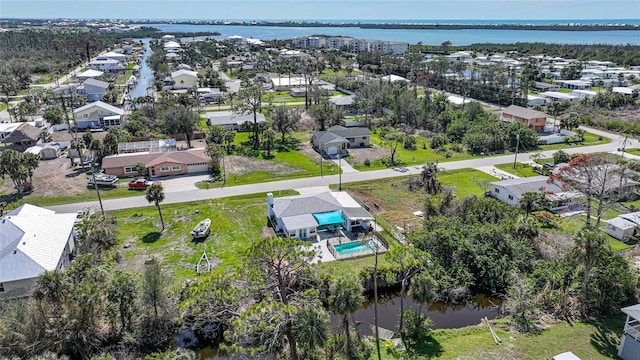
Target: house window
176, 168
510, 197
364, 138
292, 233
129, 169
496, 190
165, 169
1, 287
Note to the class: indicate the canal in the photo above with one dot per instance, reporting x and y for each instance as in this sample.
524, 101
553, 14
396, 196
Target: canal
146, 79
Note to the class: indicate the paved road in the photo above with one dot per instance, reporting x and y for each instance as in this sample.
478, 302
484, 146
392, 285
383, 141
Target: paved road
182, 189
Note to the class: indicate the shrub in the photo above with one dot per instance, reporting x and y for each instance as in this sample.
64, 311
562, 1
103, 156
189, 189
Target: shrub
367, 163
409, 143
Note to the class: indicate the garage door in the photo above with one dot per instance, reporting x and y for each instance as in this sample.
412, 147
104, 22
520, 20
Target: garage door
197, 168
332, 150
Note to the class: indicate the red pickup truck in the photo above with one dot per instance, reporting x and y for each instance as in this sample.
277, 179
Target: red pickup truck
140, 184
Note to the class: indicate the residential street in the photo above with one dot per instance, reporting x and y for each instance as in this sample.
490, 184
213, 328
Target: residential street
182, 189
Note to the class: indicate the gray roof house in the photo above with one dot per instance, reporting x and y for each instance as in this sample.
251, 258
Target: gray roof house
233, 120
623, 227
511, 191
302, 216
93, 90
343, 103
337, 139
33, 240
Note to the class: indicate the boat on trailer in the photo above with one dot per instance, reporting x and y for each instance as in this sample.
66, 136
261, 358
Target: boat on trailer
202, 229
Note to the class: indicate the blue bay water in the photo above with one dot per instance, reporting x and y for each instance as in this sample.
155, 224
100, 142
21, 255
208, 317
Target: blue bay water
433, 37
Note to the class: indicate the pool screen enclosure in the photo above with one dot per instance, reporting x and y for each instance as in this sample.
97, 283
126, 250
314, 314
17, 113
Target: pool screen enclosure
329, 219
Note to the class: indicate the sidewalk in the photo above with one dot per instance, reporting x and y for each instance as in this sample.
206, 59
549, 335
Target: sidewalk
346, 167
494, 171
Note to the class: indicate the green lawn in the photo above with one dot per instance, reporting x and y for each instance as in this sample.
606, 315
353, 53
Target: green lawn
280, 97
295, 165
423, 153
396, 202
235, 222
3, 107
633, 151
340, 268
85, 196
521, 170
591, 340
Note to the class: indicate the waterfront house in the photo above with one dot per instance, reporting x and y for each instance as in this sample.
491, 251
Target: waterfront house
93, 90
97, 114
33, 240
184, 79
303, 216
89, 74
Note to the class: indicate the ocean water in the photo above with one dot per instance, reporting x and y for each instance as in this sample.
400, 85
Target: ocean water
432, 37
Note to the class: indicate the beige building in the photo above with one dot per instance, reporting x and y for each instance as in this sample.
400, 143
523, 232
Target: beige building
159, 164
535, 120
184, 79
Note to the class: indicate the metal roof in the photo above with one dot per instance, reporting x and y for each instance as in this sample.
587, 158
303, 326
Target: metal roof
32, 240
102, 105
633, 311
299, 222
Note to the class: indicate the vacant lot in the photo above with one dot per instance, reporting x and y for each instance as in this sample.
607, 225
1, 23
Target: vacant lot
235, 223
396, 199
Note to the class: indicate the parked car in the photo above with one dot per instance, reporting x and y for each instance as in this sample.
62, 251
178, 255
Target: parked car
140, 184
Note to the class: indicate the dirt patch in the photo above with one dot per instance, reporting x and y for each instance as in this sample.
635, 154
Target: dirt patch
552, 245
53, 178
241, 165
359, 155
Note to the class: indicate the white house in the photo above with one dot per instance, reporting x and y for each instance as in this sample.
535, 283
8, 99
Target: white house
184, 79
584, 94
511, 191
560, 96
89, 74
97, 114
622, 227
233, 120
113, 56
33, 240
630, 339
302, 216
109, 65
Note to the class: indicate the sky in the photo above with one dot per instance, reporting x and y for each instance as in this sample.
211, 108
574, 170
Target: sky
323, 10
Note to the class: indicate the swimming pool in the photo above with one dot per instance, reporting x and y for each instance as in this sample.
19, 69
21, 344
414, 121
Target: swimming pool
355, 247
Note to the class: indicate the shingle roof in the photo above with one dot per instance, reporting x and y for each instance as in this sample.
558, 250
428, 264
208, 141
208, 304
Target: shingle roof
232, 118
96, 83
193, 156
23, 132
531, 184
348, 132
304, 204
522, 112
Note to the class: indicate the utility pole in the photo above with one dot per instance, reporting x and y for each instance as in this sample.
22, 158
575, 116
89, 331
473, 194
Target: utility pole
224, 173
95, 184
624, 145
340, 171
515, 158
321, 170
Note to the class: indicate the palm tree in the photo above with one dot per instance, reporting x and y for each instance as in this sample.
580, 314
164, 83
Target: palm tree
155, 195
311, 328
345, 299
589, 242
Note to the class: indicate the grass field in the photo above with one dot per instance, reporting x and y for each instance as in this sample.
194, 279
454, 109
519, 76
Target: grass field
235, 222
591, 340
299, 164
85, 196
521, 170
397, 203
423, 153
